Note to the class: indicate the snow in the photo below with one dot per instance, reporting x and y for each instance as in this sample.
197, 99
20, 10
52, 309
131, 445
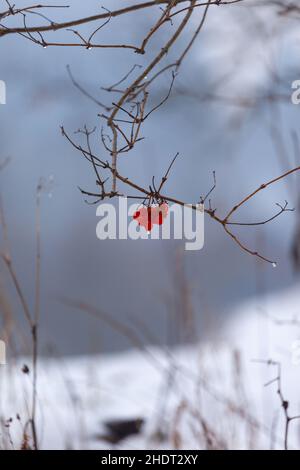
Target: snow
210, 395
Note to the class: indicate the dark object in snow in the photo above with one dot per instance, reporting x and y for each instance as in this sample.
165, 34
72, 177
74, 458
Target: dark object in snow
119, 429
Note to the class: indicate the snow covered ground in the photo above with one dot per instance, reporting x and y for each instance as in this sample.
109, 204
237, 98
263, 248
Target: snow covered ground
206, 396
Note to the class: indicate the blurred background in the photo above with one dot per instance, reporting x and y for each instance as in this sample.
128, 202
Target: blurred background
230, 111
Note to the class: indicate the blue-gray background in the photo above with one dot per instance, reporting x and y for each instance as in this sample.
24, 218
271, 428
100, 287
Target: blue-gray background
236, 55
